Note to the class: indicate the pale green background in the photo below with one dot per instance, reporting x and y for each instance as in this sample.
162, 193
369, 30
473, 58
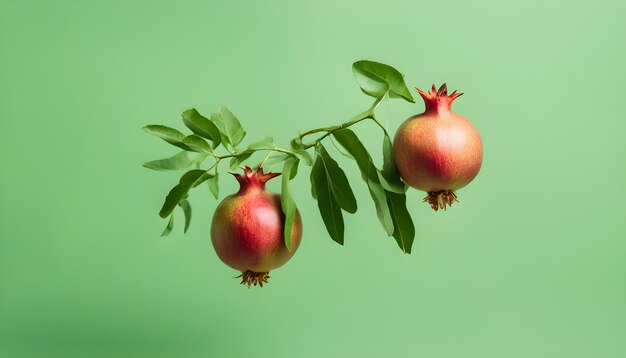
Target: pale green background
530, 264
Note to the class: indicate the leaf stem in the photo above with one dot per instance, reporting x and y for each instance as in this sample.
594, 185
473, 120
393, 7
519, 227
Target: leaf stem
329, 130
217, 161
220, 157
234, 154
282, 151
316, 130
380, 125
265, 159
368, 114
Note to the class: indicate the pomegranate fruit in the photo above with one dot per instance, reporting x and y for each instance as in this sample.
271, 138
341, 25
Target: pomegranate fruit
438, 151
247, 229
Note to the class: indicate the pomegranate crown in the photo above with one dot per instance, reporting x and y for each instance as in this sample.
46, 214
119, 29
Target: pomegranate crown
438, 99
254, 178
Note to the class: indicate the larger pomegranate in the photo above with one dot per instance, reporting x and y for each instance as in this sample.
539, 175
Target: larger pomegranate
247, 229
438, 151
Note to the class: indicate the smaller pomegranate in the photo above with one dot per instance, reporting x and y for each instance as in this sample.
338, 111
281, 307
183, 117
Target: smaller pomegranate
438, 151
247, 229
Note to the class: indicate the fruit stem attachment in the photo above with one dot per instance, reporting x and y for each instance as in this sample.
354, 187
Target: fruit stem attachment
251, 278
438, 100
253, 179
440, 199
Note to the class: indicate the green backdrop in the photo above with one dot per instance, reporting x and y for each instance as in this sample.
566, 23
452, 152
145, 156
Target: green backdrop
530, 264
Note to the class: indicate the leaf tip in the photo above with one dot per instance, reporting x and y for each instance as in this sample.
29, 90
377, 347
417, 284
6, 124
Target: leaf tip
188, 111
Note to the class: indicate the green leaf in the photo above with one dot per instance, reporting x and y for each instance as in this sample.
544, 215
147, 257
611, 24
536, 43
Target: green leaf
369, 173
297, 143
313, 184
216, 118
240, 158
379, 195
197, 144
214, 185
204, 177
229, 125
179, 191
176, 162
389, 176
169, 227
202, 126
287, 203
275, 158
170, 135
376, 79
294, 168
341, 149
298, 148
304, 156
266, 143
351, 143
184, 204
404, 231
329, 209
199, 158
341, 190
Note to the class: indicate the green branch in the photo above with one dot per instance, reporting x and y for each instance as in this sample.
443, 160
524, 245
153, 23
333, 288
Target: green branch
330, 186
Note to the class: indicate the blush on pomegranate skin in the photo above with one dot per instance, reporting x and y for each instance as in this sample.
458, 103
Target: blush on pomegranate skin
247, 229
438, 151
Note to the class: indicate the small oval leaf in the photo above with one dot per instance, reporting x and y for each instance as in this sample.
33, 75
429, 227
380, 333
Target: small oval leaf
389, 176
298, 148
197, 144
294, 168
369, 173
231, 126
377, 79
266, 143
179, 191
204, 177
329, 209
214, 185
335, 176
240, 158
287, 203
169, 227
176, 162
404, 230
202, 126
313, 184
379, 195
216, 118
184, 204
168, 134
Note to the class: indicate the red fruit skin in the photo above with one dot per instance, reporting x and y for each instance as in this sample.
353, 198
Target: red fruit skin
438, 149
247, 231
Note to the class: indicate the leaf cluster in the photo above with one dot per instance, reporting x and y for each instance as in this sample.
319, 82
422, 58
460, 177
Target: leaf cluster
222, 131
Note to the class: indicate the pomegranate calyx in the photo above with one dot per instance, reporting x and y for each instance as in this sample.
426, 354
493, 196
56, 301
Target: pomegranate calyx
251, 278
251, 178
441, 199
438, 100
